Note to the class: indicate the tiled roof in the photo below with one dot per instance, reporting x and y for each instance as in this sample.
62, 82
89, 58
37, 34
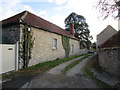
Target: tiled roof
36, 21
114, 41
13, 19
109, 27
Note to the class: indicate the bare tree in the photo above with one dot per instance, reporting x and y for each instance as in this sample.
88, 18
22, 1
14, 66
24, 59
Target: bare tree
109, 7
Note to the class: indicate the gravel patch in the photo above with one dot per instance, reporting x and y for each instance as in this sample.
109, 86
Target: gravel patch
54, 78
57, 70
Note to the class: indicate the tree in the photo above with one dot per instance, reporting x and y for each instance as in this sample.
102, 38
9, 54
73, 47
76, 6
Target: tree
109, 7
81, 28
93, 45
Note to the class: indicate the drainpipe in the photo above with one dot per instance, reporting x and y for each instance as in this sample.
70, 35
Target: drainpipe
16, 56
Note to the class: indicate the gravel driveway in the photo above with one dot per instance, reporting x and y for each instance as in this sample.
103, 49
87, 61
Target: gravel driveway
53, 78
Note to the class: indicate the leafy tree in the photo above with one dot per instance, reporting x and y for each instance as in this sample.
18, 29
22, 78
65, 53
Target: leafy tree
109, 7
93, 45
81, 28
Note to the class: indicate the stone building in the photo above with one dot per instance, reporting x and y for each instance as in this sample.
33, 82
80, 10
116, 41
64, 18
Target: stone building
109, 55
103, 36
47, 37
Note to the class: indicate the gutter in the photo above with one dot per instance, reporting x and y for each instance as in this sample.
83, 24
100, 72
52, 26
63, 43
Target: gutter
22, 22
46, 30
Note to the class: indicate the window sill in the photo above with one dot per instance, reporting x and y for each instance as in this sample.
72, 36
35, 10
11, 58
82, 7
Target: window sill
54, 48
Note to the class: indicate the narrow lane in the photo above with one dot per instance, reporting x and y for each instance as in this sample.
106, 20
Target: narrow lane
53, 78
77, 69
57, 70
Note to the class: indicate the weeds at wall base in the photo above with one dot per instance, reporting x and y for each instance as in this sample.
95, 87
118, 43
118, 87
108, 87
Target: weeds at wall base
87, 73
36, 69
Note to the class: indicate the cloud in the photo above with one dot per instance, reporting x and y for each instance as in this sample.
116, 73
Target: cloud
58, 19
9, 8
26, 7
58, 2
87, 8
59, 12
43, 13
25, 0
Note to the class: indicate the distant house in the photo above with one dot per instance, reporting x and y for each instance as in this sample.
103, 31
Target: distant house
103, 36
109, 55
112, 42
48, 37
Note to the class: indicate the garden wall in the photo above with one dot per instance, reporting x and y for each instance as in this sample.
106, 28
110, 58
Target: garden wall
109, 60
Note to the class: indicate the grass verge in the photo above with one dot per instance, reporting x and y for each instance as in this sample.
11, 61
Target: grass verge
87, 72
74, 63
38, 68
41, 67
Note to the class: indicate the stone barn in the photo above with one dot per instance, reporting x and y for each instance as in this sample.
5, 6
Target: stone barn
40, 39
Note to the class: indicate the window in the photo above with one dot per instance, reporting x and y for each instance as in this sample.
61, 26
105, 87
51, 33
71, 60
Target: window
54, 43
72, 48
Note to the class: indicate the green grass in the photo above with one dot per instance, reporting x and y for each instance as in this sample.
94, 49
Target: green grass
87, 72
74, 63
41, 67
38, 68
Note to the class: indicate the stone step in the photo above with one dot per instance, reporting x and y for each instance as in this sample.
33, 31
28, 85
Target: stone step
106, 78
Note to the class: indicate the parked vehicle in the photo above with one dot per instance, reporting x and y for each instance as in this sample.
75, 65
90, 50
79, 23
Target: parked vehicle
90, 51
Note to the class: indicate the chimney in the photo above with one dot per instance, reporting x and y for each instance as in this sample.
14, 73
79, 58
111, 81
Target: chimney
72, 29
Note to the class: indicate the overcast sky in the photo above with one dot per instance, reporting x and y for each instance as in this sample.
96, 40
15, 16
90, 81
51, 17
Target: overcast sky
56, 11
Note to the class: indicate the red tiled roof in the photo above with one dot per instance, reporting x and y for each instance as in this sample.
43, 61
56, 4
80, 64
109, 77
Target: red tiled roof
114, 41
13, 19
36, 21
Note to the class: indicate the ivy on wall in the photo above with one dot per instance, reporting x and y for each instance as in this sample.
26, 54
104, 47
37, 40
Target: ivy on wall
66, 45
26, 45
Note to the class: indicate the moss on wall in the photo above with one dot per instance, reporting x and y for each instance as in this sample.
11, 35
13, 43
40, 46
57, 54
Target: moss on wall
66, 45
26, 45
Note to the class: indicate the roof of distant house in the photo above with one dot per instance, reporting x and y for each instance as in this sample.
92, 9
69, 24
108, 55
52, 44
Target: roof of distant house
109, 27
113, 42
35, 21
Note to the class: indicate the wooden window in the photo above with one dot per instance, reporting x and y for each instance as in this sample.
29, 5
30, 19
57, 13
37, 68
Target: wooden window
54, 43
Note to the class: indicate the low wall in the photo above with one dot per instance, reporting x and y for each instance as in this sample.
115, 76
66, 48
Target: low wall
109, 60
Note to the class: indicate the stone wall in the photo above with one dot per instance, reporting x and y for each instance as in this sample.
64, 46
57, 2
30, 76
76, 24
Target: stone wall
109, 60
43, 51
10, 34
76, 48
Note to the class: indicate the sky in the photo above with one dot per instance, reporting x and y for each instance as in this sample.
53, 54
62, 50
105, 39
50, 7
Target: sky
56, 11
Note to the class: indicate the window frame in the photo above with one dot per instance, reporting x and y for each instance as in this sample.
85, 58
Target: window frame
54, 43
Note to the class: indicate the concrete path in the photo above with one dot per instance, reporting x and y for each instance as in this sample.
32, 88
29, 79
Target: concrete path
106, 78
77, 69
57, 70
53, 78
